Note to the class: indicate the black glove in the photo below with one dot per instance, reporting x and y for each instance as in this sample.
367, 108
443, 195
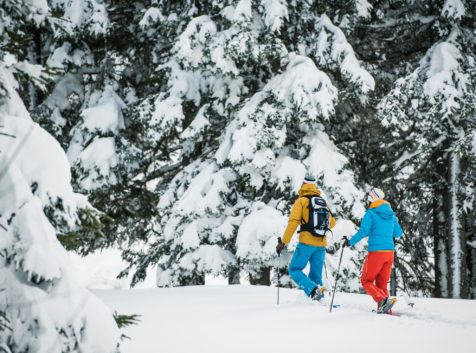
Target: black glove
345, 241
280, 246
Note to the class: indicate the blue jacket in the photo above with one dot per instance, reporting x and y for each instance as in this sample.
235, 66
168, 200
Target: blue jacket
381, 225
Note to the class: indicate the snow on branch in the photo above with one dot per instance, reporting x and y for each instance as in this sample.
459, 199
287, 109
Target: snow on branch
257, 234
275, 13
333, 50
444, 74
151, 16
190, 44
242, 11
453, 9
440, 84
302, 87
93, 147
87, 15
363, 8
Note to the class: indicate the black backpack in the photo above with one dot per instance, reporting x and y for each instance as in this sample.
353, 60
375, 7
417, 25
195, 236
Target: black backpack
319, 217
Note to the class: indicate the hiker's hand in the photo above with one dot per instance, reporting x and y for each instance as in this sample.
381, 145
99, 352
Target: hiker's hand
345, 242
280, 246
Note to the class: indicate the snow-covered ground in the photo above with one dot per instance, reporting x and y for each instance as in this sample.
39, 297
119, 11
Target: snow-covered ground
247, 319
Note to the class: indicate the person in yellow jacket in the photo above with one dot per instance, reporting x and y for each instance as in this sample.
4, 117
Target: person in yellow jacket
312, 247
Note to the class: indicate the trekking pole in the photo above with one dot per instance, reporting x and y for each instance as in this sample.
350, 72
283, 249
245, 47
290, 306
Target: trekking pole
277, 270
337, 278
279, 255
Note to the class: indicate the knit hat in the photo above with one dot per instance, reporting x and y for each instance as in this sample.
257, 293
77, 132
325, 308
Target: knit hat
309, 179
375, 194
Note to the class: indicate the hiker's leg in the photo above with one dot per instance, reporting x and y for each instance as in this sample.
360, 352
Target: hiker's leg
384, 275
372, 266
317, 263
298, 263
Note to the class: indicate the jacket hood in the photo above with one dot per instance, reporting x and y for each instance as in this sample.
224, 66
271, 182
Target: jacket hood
309, 190
382, 208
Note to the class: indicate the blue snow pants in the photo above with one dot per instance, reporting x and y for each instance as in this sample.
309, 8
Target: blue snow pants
302, 255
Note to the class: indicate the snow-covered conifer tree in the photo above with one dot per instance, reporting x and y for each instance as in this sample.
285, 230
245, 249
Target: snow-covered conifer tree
96, 77
245, 112
432, 112
44, 308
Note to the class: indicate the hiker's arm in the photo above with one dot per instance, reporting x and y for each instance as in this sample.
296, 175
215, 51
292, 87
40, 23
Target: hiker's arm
363, 230
294, 221
397, 229
332, 221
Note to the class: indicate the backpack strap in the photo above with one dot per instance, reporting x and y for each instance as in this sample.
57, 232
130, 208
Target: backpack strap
302, 219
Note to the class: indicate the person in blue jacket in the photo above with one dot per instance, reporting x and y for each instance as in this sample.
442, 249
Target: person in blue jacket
380, 225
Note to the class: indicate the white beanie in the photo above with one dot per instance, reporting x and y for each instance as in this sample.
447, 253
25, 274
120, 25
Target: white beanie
309, 179
375, 194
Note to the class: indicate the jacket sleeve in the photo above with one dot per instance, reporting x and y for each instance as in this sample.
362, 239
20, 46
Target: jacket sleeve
294, 221
397, 229
364, 229
332, 221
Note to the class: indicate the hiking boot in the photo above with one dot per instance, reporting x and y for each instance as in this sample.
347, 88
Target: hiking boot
385, 305
317, 293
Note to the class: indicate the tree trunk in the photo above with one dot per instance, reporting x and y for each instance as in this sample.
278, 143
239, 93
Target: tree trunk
455, 239
234, 276
393, 282
468, 283
472, 267
472, 294
471, 251
439, 246
465, 283
35, 96
262, 278
196, 280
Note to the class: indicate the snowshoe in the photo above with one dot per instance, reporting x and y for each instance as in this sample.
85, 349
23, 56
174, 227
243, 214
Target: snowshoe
385, 305
317, 293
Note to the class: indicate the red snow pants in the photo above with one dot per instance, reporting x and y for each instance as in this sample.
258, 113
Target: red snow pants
376, 274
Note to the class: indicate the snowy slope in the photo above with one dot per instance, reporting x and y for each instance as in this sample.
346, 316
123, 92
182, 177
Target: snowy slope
246, 319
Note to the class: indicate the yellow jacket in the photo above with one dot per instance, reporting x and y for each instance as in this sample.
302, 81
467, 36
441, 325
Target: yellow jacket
300, 212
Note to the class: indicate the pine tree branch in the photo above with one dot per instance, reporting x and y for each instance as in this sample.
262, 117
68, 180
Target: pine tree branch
163, 170
90, 70
155, 157
5, 134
